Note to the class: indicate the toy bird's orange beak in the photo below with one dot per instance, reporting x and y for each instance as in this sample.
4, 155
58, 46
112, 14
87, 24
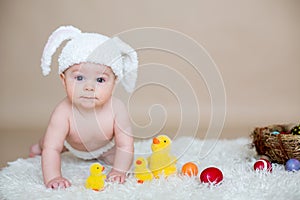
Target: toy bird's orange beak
155, 141
103, 168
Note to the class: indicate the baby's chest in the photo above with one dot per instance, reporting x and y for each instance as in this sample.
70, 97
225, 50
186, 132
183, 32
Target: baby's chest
91, 128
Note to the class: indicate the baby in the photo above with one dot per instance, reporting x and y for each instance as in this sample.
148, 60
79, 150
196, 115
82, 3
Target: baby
89, 121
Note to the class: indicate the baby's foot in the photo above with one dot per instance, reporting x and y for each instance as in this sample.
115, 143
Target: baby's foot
35, 150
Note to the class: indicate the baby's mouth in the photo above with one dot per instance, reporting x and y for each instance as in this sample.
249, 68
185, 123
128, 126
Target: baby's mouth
89, 97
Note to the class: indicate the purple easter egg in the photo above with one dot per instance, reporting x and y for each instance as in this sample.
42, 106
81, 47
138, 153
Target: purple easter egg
292, 165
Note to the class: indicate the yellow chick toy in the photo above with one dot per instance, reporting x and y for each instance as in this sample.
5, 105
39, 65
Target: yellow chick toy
161, 161
141, 172
96, 179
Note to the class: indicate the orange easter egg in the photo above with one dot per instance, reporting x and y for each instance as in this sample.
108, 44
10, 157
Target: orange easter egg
189, 169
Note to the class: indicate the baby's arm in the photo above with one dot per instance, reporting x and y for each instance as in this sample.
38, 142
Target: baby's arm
52, 147
124, 143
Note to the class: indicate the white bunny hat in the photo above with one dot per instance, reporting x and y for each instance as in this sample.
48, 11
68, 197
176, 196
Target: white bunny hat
91, 47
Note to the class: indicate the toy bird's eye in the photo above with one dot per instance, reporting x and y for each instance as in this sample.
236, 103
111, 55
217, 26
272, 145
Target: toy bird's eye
97, 167
165, 141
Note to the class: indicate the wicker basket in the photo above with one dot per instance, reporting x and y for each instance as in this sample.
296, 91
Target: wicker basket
279, 148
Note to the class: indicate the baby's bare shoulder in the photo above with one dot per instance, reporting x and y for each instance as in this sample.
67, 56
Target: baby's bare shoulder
116, 102
64, 108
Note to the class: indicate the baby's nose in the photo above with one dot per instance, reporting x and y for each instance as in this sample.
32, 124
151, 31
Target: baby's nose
89, 86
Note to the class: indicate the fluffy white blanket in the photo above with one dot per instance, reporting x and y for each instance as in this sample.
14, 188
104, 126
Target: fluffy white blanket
22, 179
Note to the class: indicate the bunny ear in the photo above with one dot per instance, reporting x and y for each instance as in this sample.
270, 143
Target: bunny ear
54, 41
130, 64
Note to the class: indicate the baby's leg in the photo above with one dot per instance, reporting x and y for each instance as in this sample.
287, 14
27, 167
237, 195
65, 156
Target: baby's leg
108, 156
36, 149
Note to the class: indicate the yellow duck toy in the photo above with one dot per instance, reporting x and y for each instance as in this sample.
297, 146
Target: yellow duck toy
96, 179
161, 162
141, 172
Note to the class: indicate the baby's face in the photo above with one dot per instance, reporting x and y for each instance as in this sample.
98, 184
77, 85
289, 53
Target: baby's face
89, 85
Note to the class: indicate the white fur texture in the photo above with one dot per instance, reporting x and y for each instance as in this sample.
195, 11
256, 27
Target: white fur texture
22, 179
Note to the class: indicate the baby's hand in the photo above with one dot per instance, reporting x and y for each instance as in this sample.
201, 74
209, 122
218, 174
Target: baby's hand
116, 176
58, 182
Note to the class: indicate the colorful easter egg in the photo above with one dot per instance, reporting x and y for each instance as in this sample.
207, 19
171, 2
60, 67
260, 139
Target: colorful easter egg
275, 132
292, 165
189, 169
296, 130
211, 175
263, 164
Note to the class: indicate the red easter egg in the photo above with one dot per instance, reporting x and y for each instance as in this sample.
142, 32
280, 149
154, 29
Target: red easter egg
283, 132
189, 169
263, 164
211, 175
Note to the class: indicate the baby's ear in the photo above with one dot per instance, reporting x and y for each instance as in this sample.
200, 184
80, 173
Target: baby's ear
63, 79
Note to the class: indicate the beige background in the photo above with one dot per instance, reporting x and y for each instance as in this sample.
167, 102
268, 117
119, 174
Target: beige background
254, 43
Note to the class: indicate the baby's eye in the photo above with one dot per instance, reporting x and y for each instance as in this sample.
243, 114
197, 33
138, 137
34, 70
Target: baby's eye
100, 80
79, 78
